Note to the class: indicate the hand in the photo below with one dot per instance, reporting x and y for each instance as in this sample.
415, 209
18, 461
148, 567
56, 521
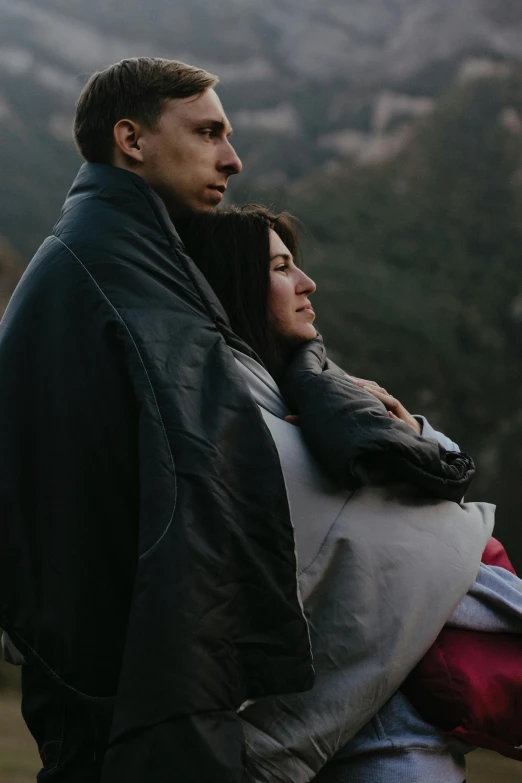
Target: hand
395, 409
292, 419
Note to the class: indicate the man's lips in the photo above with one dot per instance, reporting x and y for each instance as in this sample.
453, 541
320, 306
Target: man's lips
219, 190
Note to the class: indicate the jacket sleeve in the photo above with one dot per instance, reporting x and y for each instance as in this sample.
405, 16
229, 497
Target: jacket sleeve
351, 435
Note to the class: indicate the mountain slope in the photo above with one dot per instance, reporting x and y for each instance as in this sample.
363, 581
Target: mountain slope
294, 73
11, 269
393, 128
419, 262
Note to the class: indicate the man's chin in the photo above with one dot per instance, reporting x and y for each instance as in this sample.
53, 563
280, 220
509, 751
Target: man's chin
183, 211
204, 207
211, 199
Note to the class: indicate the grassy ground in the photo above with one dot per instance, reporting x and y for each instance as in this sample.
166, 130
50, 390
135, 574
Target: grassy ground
19, 760
491, 768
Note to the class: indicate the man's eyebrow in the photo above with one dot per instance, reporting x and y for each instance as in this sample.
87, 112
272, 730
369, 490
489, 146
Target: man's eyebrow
217, 125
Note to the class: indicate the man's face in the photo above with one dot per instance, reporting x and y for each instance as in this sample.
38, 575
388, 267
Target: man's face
188, 157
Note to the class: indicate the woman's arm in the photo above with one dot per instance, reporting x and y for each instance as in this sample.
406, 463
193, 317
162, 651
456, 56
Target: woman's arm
396, 410
357, 440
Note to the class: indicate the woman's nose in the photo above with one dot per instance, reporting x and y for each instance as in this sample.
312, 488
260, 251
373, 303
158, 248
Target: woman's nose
306, 284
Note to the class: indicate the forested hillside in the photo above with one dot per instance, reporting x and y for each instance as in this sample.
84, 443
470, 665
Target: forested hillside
11, 269
419, 263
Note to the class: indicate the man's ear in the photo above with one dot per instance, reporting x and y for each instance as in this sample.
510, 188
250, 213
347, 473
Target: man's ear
127, 134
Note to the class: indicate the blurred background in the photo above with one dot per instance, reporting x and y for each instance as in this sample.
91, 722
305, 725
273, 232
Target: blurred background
391, 128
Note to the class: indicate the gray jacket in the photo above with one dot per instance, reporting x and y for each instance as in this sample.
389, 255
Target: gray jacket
380, 571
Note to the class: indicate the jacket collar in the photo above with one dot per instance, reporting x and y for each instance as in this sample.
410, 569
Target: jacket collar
100, 180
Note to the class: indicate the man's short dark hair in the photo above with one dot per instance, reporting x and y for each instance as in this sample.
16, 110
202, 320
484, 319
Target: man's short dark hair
135, 89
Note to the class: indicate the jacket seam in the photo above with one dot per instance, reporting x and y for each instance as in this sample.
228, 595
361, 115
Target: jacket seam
327, 535
121, 319
47, 668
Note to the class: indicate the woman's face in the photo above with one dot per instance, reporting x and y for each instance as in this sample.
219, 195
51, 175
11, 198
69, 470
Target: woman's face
290, 313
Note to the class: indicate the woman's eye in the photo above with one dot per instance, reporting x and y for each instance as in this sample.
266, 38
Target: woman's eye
282, 268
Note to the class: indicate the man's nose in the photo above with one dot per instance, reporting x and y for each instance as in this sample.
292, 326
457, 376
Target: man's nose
230, 162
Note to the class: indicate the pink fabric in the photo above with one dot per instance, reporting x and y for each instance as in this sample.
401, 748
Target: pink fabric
469, 683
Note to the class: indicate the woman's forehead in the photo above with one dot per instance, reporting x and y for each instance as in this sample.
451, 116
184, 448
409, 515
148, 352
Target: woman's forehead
277, 246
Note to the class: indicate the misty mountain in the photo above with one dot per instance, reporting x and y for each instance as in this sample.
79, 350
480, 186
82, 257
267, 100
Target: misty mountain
392, 128
303, 81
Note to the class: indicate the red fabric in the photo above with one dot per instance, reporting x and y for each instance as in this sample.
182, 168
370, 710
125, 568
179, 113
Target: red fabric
469, 683
496, 555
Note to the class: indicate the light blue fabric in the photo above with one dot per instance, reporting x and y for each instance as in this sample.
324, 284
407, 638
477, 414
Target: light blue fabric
493, 605
398, 746
427, 431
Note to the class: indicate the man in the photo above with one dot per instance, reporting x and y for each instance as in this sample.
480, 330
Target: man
147, 563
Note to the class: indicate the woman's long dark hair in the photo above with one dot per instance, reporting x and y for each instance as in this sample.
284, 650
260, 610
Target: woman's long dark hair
231, 248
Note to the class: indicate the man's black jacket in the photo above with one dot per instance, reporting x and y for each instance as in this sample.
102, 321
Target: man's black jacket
147, 554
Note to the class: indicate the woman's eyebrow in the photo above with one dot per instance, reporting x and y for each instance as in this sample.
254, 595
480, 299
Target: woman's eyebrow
285, 256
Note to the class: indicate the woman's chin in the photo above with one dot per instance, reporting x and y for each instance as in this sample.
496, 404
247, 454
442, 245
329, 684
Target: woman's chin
303, 335
310, 333
290, 342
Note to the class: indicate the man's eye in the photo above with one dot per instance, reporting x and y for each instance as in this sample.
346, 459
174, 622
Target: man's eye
206, 132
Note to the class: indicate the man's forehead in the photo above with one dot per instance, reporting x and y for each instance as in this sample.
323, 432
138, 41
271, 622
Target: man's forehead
200, 108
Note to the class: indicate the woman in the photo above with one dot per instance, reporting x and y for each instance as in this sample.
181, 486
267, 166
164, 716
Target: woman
362, 581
